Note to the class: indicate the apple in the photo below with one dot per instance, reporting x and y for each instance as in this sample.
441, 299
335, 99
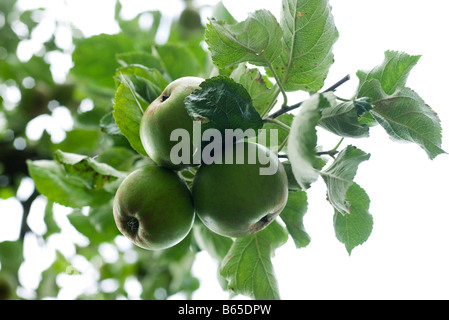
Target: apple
165, 114
153, 208
236, 200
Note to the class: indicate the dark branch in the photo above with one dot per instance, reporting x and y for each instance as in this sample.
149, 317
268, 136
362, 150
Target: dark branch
297, 105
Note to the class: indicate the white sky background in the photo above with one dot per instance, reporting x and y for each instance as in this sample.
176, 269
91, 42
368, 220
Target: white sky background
407, 254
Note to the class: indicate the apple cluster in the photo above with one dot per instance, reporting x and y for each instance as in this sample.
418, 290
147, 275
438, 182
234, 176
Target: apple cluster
154, 206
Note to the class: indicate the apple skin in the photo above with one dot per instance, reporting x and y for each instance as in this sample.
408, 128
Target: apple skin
234, 200
165, 114
153, 208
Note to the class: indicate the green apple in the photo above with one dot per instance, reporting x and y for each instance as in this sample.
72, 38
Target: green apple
164, 115
153, 208
237, 200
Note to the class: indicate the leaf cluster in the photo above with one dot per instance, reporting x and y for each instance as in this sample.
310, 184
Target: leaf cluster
249, 67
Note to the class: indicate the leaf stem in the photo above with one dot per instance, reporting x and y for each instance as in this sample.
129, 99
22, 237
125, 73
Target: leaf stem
331, 152
277, 122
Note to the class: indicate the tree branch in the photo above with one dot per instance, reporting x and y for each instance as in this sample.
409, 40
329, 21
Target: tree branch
297, 105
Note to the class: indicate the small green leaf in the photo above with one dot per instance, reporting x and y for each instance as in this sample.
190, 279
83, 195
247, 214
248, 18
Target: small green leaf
11, 256
216, 245
399, 110
127, 113
256, 40
302, 140
52, 181
355, 228
88, 69
258, 87
343, 120
248, 267
99, 225
146, 83
178, 61
86, 171
140, 58
406, 117
392, 73
108, 125
293, 215
340, 176
222, 103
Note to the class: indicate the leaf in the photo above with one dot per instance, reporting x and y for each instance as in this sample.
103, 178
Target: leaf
147, 84
99, 225
11, 256
216, 245
309, 34
256, 40
406, 117
91, 72
355, 228
144, 59
222, 103
88, 172
340, 176
178, 61
392, 73
248, 267
343, 120
49, 220
257, 87
302, 140
108, 125
221, 13
127, 114
293, 215
399, 110
51, 181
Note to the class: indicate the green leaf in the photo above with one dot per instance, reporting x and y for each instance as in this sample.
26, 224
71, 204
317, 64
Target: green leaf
88, 172
309, 34
108, 125
178, 61
248, 267
48, 286
355, 228
256, 40
399, 110
216, 245
120, 158
258, 87
91, 72
222, 103
340, 176
144, 59
11, 256
127, 113
293, 215
342, 119
51, 181
99, 225
392, 73
302, 140
407, 118
50, 223
147, 84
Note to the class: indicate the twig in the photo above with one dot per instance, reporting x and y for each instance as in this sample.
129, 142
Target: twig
297, 105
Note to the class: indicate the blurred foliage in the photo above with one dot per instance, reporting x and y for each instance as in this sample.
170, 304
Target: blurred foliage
31, 97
